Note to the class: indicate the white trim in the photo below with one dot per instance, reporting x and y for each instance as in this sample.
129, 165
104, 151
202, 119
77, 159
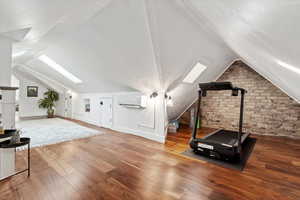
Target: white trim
144, 134
112, 112
227, 67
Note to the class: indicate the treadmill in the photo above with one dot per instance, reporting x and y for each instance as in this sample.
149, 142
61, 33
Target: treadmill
221, 144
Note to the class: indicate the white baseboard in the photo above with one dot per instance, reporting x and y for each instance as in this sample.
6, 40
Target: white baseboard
145, 134
33, 117
148, 135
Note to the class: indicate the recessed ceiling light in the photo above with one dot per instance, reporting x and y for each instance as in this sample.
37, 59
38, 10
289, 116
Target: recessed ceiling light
18, 54
288, 66
51, 63
194, 73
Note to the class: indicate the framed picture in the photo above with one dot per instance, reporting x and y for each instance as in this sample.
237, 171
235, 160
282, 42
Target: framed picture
32, 91
87, 105
87, 108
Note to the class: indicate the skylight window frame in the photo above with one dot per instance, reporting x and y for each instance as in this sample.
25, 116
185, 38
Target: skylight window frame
60, 69
20, 53
194, 73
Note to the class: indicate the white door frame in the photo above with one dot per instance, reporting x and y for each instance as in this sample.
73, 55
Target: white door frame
68, 106
101, 99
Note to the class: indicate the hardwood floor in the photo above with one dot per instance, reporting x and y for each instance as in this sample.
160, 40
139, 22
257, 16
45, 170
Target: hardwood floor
123, 166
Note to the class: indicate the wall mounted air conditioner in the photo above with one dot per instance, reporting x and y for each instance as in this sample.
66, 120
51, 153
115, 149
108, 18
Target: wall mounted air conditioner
133, 101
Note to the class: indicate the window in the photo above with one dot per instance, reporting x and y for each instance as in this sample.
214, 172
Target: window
20, 53
194, 73
51, 63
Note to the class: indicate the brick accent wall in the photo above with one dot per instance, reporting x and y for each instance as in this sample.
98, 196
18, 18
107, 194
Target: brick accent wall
268, 110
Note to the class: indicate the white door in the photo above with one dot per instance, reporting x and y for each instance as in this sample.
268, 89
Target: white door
106, 112
68, 106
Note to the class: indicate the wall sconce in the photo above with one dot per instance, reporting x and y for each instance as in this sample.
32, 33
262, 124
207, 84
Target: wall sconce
153, 95
169, 100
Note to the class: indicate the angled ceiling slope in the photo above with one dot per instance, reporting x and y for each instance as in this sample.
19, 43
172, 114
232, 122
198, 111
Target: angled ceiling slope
180, 41
263, 33
16, 35
24, 72
109, 52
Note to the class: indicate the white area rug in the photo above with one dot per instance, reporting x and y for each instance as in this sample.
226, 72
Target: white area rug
51, 131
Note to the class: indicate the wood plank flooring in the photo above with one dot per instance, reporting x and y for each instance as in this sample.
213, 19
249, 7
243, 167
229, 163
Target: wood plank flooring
122, 166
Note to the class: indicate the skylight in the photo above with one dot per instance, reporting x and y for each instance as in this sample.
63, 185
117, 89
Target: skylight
288, 66
194, 73
51, 63
18, 54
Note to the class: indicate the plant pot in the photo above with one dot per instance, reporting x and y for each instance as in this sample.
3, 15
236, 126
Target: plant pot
50, 113
50, 116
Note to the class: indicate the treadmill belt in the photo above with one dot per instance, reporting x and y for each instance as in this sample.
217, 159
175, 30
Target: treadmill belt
224, 136
248, 146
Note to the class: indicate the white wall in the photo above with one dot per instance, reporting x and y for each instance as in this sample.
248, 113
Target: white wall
15, 83
148, 122
29, 105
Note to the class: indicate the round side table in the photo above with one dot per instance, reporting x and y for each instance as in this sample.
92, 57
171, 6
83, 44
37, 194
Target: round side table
23, 141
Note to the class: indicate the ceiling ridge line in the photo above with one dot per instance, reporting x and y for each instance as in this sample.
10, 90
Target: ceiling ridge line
189, 8
154, 46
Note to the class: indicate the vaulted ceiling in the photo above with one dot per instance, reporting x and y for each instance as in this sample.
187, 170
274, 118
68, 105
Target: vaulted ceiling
150, 45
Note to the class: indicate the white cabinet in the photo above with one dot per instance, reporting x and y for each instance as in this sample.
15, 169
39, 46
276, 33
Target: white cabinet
7, 162
7, 121
8, 108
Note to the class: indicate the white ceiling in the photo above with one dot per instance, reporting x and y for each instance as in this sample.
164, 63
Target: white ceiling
150, 45
262, 32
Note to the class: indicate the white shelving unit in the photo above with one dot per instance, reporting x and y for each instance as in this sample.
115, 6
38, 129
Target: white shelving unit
7, 121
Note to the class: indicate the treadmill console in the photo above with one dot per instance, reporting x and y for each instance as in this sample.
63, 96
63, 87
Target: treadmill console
216, 86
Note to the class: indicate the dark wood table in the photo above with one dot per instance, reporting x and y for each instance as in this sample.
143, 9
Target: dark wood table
23, 141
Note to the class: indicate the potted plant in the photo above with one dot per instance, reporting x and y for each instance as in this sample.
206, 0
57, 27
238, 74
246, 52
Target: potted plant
48, 102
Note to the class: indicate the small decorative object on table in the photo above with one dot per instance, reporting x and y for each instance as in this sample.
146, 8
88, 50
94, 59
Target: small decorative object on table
15, 139
1, 129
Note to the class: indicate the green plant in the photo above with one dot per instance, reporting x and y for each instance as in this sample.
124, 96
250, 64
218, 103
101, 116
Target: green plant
48, 102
